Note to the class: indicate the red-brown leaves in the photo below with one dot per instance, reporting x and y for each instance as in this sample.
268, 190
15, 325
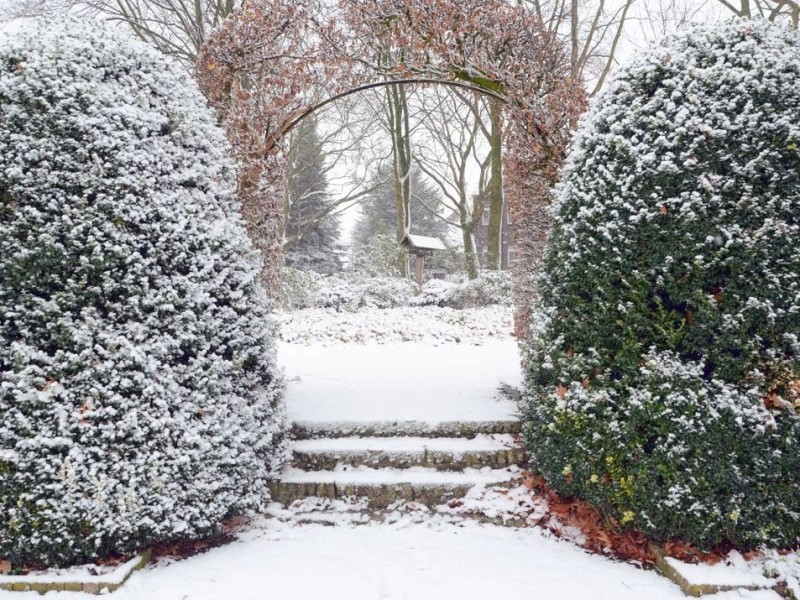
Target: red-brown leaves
604, 535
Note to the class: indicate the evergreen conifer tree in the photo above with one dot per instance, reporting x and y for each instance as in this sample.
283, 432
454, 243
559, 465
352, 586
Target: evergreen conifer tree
312, 236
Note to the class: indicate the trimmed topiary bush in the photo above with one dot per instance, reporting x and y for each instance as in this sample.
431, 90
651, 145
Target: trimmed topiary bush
663, 369
139, 394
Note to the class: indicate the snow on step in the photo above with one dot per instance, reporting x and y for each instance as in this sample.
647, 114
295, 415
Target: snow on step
406, 445
401, 428
415, 476
400, 382
383, 487
445, 454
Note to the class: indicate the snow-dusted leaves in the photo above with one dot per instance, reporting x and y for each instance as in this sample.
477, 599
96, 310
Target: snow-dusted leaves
664, 362
139, 394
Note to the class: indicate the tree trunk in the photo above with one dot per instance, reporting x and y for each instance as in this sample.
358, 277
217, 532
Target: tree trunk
419, 269
401, 162
470, 252
574, 41
746, 12
496, 200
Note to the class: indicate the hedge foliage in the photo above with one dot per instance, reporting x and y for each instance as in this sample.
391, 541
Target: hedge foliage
663, 372
139, 396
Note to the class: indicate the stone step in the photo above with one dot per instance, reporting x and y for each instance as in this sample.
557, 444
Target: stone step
303, 430
443, 454
383, 487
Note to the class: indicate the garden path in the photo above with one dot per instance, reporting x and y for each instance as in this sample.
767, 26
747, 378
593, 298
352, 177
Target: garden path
414, 553
400, 422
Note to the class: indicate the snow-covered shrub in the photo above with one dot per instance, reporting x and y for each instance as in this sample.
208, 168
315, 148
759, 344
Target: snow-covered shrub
139, 399
336, 292
379, 257
491, 288
435, 292
300, 288
663, 368
385, 292
353, 292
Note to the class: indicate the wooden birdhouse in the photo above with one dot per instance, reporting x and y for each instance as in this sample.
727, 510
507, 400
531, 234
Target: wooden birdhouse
421, 246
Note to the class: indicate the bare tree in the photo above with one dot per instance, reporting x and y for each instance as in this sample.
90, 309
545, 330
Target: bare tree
176, 27
400, 132
591, 29
773, 10
348, 140
656, 18
450, 149
35, 8
487, 114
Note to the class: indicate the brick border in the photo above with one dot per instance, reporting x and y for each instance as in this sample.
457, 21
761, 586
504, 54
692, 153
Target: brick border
697, 590
98, 584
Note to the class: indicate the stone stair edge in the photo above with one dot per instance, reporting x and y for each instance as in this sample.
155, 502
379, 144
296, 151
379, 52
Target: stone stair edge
379, 495
302, 430
436, 458
416, 476
407, 444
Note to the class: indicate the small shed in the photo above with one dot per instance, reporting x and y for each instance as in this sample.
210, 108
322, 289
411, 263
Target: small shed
421, 246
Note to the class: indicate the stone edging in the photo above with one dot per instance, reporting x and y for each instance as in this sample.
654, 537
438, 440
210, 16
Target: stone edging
96, 584
697, 590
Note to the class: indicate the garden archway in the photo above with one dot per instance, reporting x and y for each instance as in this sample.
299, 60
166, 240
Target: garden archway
273, 61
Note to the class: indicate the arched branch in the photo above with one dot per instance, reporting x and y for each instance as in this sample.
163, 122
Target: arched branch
295, 119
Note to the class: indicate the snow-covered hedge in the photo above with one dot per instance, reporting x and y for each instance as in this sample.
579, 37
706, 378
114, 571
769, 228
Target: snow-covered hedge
490, 289
352, 293
138, 387
306, 289
428, 324
663, 369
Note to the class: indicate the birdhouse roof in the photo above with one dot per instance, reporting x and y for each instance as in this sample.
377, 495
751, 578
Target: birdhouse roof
421, 242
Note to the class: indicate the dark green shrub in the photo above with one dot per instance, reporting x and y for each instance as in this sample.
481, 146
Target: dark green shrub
663, 369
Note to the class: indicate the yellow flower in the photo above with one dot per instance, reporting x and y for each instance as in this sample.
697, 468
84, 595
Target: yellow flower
791, 147
734, 516
594, 478
567, 470
610, 460
627, 516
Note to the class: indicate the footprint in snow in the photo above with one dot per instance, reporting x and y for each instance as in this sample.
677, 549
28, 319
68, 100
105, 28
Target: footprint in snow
419, 558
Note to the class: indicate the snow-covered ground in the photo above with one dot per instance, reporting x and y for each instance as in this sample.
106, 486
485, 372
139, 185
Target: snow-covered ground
427, 324
402, 561
415, 554
400, 382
